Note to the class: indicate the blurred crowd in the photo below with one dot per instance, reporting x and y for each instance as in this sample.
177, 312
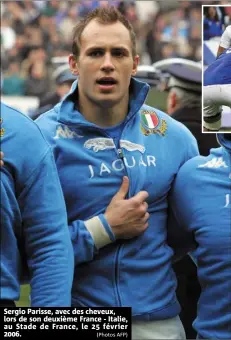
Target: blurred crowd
215, 20
35, 33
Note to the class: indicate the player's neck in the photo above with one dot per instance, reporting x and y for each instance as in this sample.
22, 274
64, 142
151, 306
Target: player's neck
103, 116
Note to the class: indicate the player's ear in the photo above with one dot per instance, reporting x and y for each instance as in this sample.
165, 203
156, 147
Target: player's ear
173, 99
72, 59
136, 60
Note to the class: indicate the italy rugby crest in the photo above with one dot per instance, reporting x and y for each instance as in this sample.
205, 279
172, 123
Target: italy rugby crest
151, 123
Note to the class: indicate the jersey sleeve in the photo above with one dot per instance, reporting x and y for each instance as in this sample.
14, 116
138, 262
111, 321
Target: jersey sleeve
46, 236
180, 234
225, 41
89, 236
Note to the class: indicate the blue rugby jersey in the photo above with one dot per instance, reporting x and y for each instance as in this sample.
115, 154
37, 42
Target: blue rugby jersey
201, 203
151, 149
219, 72
34, 231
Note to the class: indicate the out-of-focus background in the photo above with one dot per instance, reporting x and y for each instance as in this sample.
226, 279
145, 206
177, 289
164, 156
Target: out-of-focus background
36, 40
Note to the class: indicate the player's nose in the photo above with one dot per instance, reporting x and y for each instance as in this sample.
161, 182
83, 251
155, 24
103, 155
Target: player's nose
107, 64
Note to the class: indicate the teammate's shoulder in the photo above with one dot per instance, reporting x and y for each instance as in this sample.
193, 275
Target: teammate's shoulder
188, 172
193, 163
10, 114
193, 167
20, 124
50, 115
48, 123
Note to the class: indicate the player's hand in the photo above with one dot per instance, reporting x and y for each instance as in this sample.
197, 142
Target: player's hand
127, 217
1, 158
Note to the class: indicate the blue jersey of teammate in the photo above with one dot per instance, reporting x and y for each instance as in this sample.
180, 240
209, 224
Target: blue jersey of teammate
219, 72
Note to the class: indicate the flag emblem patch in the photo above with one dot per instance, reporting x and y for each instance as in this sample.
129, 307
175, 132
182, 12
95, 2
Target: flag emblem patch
152, 124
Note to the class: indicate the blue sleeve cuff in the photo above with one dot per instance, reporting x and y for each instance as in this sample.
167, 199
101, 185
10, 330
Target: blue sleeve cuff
107, 227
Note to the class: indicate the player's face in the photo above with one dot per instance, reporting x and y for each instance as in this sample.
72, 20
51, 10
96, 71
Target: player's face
105, 64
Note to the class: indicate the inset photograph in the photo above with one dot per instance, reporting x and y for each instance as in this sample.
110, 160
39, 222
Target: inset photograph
216, 56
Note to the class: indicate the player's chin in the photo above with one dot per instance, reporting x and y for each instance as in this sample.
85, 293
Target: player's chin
108, 100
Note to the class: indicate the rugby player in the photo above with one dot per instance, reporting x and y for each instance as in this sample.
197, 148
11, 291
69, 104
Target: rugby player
216, 90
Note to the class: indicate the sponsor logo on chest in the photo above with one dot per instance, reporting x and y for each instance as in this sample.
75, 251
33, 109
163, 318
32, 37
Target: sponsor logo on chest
118, 164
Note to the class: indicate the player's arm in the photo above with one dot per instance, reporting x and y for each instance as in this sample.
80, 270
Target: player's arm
179, 236
180, 212
46, 236
212, 108
225, 41
220, 50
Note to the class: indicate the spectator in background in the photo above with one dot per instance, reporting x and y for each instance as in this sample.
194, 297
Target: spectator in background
37, 83
13, 83
20, 49
51, 8
184, 102
168, 50
153, 44
16, 14
69, 21
36, 53
63, 81
8, 35
46, 24
227, 15
194, 33
34, 35
212, 25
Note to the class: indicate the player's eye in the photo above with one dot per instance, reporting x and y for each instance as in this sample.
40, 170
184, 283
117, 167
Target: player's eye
118, 53
96, 53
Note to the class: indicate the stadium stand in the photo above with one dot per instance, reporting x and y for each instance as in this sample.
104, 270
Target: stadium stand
36, 36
